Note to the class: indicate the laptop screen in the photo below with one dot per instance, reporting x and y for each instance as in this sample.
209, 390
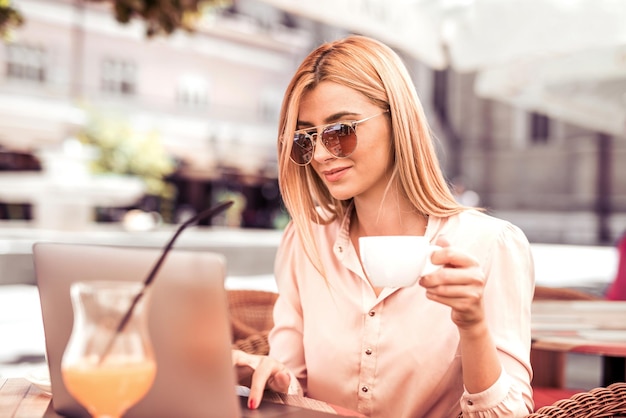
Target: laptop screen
188, 324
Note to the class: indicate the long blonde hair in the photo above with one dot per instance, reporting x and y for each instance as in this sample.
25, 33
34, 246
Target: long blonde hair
376, 71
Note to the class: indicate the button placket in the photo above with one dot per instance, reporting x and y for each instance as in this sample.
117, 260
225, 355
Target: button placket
371, 328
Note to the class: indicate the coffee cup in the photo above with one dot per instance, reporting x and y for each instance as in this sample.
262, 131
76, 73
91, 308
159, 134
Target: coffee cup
396, 260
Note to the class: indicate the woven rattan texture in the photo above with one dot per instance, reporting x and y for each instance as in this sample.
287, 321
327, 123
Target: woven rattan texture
597, 403
251, 319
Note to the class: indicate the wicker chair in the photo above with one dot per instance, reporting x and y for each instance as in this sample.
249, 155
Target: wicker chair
597, 403
251, 319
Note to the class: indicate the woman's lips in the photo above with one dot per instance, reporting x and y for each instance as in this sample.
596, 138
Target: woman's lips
335, 174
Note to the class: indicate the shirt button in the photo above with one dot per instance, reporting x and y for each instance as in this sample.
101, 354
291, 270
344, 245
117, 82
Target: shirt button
368, 351
371, 313
365, 389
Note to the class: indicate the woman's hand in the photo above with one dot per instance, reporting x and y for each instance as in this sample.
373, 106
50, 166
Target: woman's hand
257, 372
459, 285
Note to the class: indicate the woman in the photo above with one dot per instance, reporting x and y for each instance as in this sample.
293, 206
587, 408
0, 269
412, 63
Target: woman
459, 339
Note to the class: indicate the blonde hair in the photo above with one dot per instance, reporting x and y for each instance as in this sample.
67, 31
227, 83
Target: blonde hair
376, 71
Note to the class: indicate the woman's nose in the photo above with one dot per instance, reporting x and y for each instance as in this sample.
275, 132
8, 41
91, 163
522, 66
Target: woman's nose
320, 153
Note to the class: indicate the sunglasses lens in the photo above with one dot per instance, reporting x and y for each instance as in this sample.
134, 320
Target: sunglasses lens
302, 149
339, 139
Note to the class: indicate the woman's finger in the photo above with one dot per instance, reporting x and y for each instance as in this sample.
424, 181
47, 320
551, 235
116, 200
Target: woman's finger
267, 373
241, 358
280, 382
453, 257
245, 364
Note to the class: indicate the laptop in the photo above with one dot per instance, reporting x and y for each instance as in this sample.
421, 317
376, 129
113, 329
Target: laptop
188, 323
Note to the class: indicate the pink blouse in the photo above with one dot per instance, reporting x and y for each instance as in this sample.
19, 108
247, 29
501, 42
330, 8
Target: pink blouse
397, 355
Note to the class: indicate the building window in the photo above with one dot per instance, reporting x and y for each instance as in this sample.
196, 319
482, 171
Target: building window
26, 62
119, 77
193, 92
539, 128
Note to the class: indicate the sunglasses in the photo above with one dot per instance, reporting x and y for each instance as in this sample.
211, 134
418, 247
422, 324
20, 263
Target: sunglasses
338, 138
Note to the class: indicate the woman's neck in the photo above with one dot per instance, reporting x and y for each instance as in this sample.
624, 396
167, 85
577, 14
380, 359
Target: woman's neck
391, 216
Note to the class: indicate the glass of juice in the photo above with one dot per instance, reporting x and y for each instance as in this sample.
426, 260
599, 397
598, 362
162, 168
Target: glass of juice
108, 369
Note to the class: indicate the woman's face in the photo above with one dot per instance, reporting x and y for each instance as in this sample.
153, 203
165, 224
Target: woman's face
365, 173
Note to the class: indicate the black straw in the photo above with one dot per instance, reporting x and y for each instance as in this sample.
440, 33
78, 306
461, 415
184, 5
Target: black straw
206, 214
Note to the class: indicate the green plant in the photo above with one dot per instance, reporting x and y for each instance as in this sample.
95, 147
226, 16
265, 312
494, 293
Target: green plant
10, 19
121, 149
164, 16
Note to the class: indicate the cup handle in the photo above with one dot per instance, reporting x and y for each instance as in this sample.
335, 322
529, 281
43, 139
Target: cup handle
429, 267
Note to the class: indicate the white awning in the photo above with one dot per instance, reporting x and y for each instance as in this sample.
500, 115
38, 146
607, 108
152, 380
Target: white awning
566, 58
586, 88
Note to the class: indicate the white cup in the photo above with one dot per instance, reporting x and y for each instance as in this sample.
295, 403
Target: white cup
396, 261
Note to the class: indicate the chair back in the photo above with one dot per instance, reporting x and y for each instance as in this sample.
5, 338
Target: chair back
251, 317
601, 402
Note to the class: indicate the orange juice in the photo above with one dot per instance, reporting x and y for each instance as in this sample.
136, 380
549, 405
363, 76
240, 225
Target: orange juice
111, 388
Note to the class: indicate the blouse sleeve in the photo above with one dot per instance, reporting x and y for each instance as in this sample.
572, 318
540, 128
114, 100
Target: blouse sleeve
509, 269
286, 337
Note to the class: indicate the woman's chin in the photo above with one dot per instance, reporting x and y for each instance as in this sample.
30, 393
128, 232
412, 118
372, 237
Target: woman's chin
341, 194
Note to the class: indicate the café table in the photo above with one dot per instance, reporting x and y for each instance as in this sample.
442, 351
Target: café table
19, 398
596, 327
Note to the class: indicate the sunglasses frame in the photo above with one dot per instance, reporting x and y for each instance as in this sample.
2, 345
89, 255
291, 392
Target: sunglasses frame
317, 134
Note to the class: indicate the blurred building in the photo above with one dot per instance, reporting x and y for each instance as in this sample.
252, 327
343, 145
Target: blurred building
559, 181
214, 98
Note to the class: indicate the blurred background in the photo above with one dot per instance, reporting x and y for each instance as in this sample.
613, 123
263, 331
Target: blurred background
132, 115
119, 119
527, 99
